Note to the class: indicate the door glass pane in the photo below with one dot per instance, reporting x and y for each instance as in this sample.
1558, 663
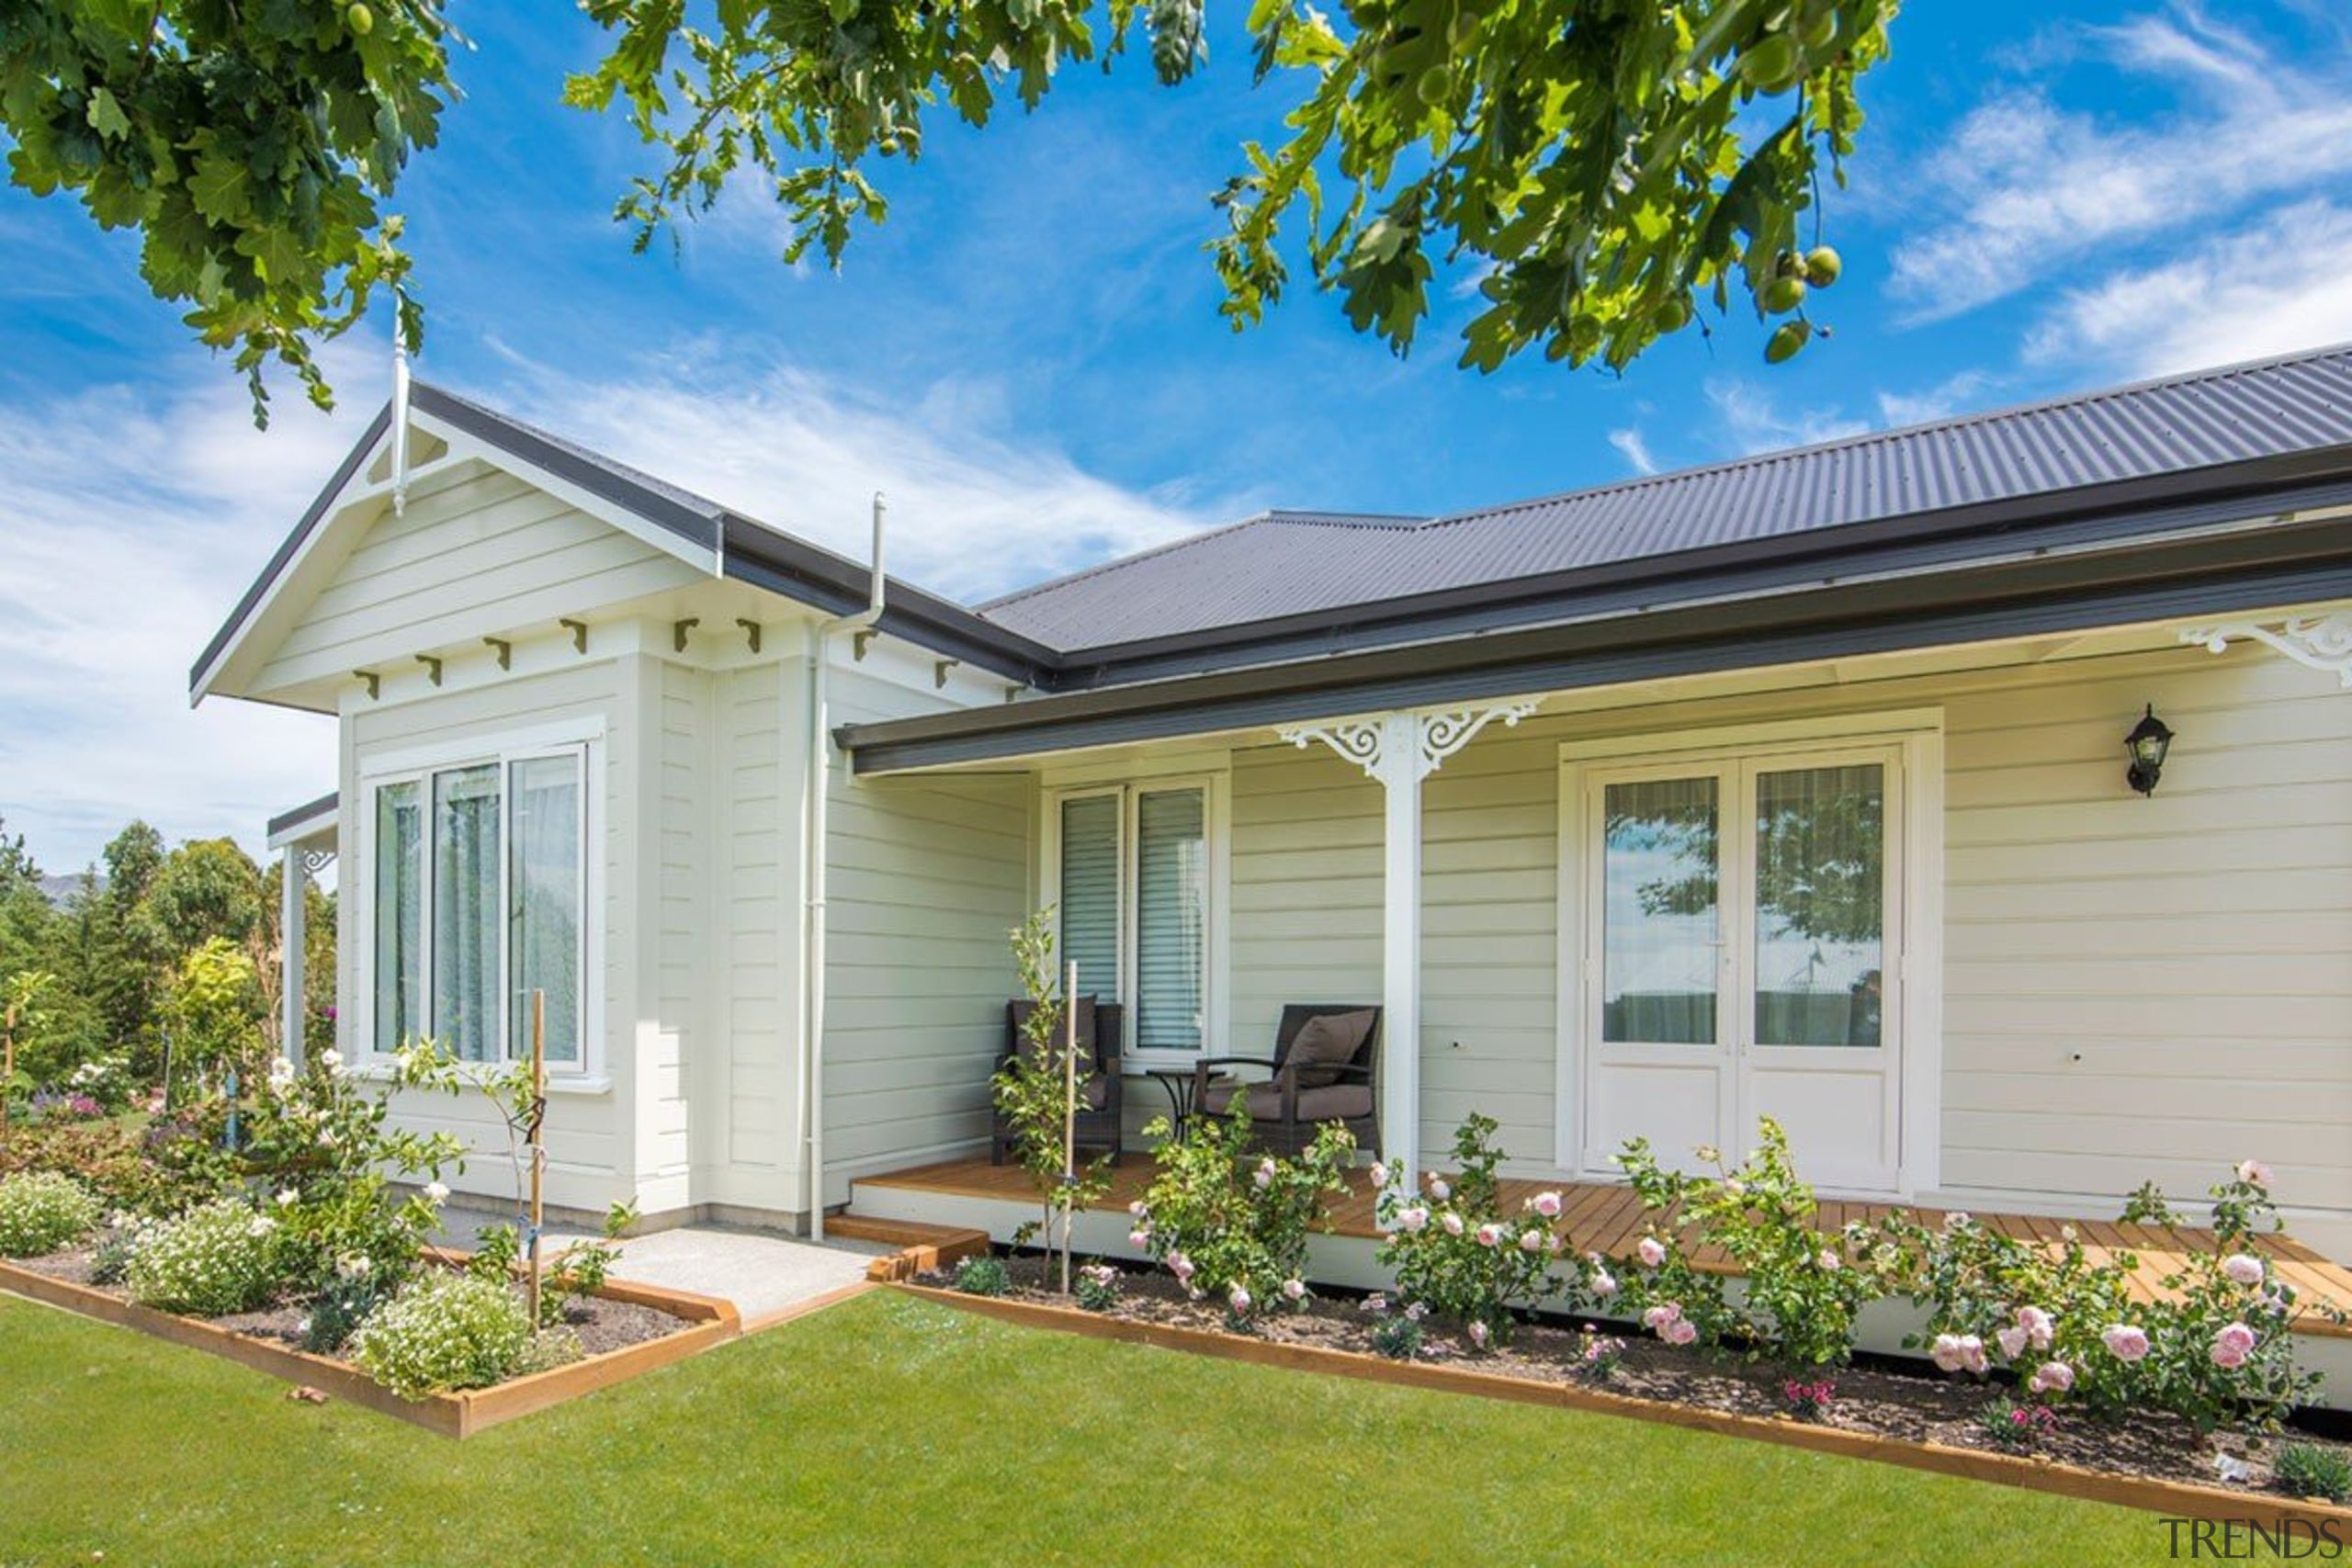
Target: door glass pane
545, 882
1820, 905
1171, 918
1660, 920
400, 915
1090, 893
466, 927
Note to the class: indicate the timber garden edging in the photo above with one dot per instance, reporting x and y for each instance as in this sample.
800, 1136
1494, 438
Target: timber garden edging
2180, 1499
711, 1322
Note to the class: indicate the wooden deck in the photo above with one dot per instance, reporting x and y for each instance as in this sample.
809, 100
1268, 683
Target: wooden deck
1606, 1217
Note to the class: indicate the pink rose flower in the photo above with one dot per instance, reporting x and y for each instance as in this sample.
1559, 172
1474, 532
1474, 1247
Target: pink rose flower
2232, 1345
1140, 1208
2254, 1173
2012, 1341
1652, 1252
1414, 1218
1238, 1300
1972, 1355
1438, 1189
1138, 1238
2124, 1342
1453, 1222
1489, 1233
1265, 1174
1604, 1283
1182, 1267
2038, 1326
1295, 1290
1829, 1262
1379, 1174
2243, 1268
1681, 1331
1658, 1317
2053, 1377
1478, 1335
1945, 1352
1548, 1205
1531, 1241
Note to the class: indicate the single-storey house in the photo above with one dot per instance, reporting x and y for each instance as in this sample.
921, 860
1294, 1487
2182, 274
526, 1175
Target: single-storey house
1795, 786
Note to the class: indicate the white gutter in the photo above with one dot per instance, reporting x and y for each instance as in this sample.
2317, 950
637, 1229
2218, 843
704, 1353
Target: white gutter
812, 875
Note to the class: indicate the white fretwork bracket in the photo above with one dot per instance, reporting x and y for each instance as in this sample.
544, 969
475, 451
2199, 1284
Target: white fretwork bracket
1427, 738
2318, 642
317, 861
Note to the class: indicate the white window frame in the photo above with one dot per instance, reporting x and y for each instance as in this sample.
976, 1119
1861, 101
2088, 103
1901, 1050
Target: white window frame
585, 748
1916, 841
1216, 826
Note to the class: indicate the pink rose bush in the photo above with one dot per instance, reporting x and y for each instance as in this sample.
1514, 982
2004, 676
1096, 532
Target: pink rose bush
1457, 1252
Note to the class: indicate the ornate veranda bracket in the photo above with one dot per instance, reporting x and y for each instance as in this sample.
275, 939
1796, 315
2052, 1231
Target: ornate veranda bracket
1431, 738
316, 860
2317, 642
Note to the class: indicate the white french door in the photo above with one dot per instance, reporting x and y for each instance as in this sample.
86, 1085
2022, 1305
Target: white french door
1743, 936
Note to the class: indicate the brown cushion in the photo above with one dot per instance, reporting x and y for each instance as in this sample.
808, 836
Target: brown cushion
1324, 1042
1333, 1102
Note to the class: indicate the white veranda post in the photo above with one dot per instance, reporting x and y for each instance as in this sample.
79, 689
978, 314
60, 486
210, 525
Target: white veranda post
303, 859
1400, 749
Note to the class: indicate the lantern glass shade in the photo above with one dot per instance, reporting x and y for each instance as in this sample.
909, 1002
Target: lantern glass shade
2147, 744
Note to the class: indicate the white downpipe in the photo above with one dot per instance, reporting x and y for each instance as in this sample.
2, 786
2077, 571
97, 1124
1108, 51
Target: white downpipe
399, 423
812, 863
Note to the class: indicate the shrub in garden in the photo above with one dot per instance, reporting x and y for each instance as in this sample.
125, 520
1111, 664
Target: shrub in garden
1992, 1301
213, 1261
985, 1275
1396, 1334
43, 1212
342, 1305
2307, 1470
444, 1331
1231, 1222
1598, 1355
1097, 1288
113, 1159
2011, 1425
1804, 1290
1452, 1247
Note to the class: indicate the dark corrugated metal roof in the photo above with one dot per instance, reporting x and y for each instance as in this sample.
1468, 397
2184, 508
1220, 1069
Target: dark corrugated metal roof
1291, 563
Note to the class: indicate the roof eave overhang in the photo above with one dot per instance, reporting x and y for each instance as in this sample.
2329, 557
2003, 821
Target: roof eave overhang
2213, 571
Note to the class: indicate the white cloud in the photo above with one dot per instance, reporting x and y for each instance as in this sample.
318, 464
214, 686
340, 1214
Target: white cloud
132, 517
1637, 450
1754, 421
975, 510
2279, 286
132, 520
2025, 186
1950, 396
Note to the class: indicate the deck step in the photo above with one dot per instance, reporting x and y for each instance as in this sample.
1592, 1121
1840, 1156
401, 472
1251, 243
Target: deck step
922, 1249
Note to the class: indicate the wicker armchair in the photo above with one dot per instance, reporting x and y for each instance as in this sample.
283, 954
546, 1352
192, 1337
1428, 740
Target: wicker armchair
1099, 1025
1298, 1098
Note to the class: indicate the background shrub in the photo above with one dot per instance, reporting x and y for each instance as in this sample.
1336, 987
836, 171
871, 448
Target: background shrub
2307, 1469
220, 1259
445, 1332
1225, 1218
43, 1212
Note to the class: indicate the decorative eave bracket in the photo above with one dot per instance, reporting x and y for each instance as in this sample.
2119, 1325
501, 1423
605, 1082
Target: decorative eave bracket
1420, 741
2317, 642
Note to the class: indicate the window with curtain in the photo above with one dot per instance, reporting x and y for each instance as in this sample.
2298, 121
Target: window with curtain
1133, 901
1172, 919
1660, 915
478, 902
1089, 892
1820, 905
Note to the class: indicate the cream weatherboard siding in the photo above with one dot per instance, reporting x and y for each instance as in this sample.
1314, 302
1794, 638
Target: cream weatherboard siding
927, 876
593, 1127
2134, 988
478, 552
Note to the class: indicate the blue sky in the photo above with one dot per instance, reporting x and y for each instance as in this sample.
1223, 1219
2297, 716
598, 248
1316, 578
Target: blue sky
2048, 197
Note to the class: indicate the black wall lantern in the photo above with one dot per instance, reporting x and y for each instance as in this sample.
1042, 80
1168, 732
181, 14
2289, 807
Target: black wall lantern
2147, 744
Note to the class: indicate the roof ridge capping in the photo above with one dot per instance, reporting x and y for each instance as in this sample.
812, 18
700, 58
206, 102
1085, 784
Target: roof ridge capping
2097, 396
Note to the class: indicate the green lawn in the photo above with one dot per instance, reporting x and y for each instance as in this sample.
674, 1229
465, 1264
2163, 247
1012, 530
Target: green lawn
891, 1430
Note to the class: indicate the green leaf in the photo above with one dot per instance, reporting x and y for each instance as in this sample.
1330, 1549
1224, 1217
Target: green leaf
106, 116
221, 187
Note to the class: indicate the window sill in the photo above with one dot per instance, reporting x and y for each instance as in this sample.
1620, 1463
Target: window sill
559, 1084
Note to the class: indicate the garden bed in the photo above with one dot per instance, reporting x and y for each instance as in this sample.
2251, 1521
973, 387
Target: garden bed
624, 1329
2155, 1462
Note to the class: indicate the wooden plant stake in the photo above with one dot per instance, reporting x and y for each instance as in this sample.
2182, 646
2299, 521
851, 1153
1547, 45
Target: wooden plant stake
539, 1153
1069, 1112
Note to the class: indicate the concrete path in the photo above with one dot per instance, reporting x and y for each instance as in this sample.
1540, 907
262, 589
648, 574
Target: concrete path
762, 1273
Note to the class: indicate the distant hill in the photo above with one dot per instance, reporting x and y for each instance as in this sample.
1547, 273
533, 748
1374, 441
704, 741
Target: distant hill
59, 890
